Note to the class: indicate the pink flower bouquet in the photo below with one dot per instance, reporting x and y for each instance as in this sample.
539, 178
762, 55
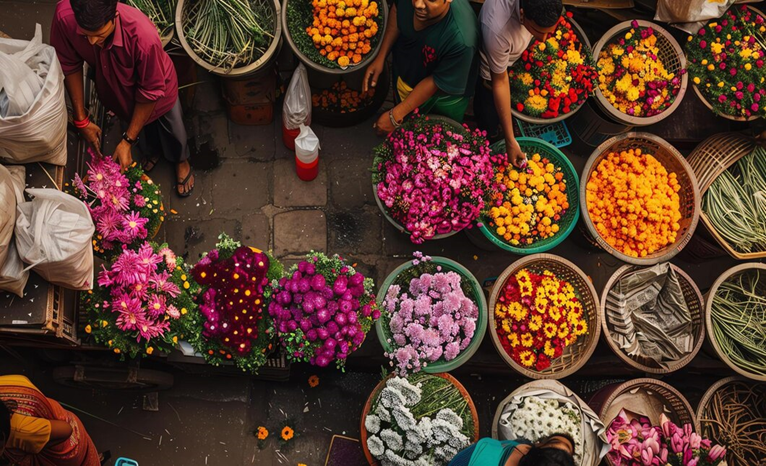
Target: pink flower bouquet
322, 310
126, 208
429, 316
432, 177
140, 302
635, 442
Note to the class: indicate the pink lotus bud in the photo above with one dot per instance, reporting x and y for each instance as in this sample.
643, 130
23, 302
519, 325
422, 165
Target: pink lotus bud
695, 440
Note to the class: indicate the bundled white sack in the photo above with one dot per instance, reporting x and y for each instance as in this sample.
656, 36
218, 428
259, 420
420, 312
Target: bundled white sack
13, 277
53, 235
33, 115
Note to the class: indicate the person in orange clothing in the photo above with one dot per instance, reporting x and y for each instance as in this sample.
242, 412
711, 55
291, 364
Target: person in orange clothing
37, 431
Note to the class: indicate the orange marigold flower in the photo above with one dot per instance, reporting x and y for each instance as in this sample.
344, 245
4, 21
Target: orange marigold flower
287, 433
262, 433
313, 381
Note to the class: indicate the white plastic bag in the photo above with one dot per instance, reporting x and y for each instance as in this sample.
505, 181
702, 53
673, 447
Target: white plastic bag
296, 110
691, 15
13, 277
53, 235
7, 212
33, 114
307, 145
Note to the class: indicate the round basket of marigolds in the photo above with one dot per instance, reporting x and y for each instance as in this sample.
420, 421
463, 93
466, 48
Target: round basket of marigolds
535, 208
642, 73
544, 317
639, 198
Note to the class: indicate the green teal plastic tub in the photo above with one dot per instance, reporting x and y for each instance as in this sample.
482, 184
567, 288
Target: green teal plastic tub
477, 295
567, 222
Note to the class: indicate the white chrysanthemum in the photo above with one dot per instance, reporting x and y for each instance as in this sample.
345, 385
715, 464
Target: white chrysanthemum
391, 397
416, 448
375, 445
445, 452
392, 439
393, 459
372, 423
459, 441
451, 417
422, 461
443, 430
412, 394
404, 418
415, 436
383, 413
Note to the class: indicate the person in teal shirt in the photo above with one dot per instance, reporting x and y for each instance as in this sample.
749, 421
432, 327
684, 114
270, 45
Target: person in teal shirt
556, 450
435, 47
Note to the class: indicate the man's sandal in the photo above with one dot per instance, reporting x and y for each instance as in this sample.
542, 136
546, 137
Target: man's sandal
183, 183
149, 163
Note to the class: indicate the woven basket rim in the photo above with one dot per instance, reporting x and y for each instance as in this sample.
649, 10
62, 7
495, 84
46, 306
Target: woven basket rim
643, 382
548, 121
594, 331
704, 99
702, 405
674, 365
667, 252
633, 120
366, 409
709, 321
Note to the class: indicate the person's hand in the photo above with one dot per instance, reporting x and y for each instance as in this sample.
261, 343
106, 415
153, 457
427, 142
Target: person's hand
92, 135
515, 155
122, 154
383, 126
372, 74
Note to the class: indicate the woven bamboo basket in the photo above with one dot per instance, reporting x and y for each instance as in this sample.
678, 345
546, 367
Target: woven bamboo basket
709, 159
705, 418
670, 53
576, 355
704, 99
694, 301
736, 270
376, 391
547, 121
646, 397
673, 161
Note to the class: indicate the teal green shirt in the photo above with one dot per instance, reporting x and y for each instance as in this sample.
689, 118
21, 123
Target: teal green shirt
486, 452
447, 50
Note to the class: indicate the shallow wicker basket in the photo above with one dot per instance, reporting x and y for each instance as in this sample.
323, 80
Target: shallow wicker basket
704, 99
693, 299
646, 397
267, 58
547, 121
736, 270
709, 159
673, 161
703, 409
374, 394
576, 355
670, 53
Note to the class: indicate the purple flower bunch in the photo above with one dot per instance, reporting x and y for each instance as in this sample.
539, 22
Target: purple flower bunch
433, 178
635, 442
125, 207
431, 320
322, 310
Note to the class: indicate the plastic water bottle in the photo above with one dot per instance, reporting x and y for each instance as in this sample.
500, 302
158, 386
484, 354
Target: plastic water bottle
307, 154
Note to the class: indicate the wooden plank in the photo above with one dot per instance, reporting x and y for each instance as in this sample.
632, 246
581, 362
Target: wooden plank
600, 4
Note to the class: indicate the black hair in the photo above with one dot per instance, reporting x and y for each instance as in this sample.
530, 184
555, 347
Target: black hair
541, 456
545, 13
92, 15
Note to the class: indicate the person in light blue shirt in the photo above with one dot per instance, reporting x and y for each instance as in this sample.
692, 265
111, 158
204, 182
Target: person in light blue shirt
556, 450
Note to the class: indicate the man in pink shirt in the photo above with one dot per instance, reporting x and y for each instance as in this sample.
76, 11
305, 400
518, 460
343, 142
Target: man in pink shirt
135, 79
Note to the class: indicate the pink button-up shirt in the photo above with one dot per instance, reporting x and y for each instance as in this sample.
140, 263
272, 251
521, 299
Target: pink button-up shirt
131, 67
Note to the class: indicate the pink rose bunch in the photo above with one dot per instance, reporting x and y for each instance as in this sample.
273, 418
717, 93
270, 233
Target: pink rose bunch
432, 177
431, 318
635, 442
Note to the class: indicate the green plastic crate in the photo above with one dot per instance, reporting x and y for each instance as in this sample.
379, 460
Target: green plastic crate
554, 133
567, 222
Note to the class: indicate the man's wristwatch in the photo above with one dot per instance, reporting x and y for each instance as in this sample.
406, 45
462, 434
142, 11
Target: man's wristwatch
127, 139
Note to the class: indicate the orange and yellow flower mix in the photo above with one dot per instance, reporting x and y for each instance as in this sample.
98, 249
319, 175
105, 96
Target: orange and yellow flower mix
342, 29
633, 202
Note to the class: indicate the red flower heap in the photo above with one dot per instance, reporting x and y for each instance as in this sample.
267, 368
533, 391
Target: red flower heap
536, 317
555, 76
233, 301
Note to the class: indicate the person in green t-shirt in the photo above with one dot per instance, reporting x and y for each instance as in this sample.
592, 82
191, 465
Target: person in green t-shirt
435, 59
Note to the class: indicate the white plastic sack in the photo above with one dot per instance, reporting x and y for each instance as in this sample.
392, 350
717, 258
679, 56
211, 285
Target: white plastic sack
53, 235
33, 115
296, 110
691, 15
7, 212
307, 145
13, 277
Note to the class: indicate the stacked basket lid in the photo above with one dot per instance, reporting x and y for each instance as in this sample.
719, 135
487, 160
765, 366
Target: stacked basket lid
673, 162
670, 54
575, 355
566, 223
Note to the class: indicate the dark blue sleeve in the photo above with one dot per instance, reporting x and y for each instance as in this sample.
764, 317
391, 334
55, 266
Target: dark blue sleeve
463, 458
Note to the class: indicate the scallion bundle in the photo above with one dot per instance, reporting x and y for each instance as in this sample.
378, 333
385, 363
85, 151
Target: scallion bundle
738, 315
161, 12
229, 33
736, 203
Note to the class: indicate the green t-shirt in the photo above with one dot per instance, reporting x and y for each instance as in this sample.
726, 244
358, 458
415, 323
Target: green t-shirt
447, 50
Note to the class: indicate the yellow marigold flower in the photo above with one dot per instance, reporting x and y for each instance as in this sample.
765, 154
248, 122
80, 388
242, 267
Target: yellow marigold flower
149, 350
563, 330
535, 322
513, 339
549, 350
550, 329
580, 328
527, 339
527, 358
696, 80
88, 329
